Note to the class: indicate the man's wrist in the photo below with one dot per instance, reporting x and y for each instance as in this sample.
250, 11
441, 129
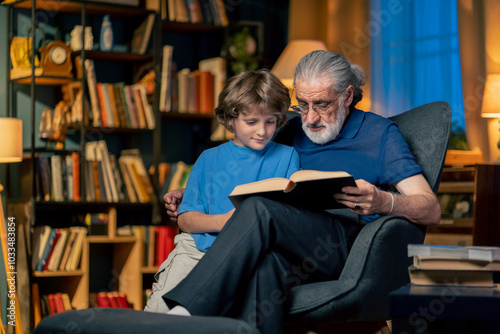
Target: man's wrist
392, 203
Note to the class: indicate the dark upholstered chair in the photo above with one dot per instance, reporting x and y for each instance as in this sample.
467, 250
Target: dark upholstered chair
377, 263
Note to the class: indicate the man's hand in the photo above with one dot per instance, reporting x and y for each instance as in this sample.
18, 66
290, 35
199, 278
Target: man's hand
173, 200
365, 199
415, 200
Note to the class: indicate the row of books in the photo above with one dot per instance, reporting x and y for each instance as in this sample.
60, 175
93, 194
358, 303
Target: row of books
106, 179
113, 299
158, 242
118, 105
57, 249
210, 12
172, 176
453, 265
58, 177
54, 303
187, 91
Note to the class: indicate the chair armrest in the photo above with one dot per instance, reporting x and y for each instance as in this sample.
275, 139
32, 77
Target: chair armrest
364, 285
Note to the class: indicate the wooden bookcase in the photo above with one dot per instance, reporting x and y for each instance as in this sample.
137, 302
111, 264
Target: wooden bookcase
477, 185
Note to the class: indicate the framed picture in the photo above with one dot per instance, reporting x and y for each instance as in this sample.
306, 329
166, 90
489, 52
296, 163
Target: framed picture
245, 46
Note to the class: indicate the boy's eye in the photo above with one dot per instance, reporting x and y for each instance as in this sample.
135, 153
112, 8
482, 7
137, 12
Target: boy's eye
250, 122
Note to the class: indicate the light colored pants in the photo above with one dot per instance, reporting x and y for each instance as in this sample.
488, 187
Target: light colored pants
174, 269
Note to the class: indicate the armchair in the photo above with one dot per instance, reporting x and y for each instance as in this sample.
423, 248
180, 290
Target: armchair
378, 262
376, 265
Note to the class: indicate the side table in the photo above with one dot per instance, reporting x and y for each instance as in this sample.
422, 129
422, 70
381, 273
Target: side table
445, 309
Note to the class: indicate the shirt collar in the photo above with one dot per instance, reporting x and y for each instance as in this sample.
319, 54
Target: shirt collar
353, 124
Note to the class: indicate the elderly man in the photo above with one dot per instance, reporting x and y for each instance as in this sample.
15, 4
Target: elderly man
260, 253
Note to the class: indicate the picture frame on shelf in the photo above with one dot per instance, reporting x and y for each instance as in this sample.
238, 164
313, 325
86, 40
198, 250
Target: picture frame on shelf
245, 46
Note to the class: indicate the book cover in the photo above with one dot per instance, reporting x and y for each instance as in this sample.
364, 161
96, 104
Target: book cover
481, 253
114, 109
108, 105
451, 277
139, 106
306, 188
165, 97
422, 262
54, 245
119, 104
46, 250
59, 302
66, 302
130, 99
52, 304
92, 84
142, 34
75, 156
183, 90
216, 66
78, 247
127, 179
69, 177
206, 92
67, 250
40, 237
46, 178
146, 107
102, 104
126, 122
57, 179
55, 260
102, 299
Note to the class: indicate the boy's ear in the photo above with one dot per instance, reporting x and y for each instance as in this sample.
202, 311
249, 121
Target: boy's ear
230, 125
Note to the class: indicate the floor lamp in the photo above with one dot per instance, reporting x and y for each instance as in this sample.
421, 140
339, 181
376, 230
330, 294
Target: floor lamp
11, 150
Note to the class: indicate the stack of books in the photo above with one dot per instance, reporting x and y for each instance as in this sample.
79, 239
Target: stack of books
453, 265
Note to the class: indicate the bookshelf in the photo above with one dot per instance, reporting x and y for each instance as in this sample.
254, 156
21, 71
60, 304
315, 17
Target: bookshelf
122, 265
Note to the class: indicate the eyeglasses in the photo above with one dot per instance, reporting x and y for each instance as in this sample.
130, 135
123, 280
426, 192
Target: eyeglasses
321, 108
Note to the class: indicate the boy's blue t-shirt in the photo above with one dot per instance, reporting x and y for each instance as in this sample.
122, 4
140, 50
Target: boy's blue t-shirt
218, 170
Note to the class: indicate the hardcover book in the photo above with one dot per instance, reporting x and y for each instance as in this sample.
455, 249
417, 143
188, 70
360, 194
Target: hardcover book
307, 188
481, 253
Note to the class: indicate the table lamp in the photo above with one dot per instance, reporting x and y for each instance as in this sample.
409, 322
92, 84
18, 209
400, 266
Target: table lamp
491, 98
11, 150
284, 68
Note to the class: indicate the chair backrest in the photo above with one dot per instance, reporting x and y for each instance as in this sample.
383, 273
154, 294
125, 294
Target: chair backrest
425, 128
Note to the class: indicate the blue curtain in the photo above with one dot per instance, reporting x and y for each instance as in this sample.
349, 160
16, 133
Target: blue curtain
415, 56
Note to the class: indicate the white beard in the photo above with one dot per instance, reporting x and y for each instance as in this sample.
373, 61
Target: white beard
331, 130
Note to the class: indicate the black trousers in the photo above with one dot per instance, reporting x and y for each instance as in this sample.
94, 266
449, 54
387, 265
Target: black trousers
265, 249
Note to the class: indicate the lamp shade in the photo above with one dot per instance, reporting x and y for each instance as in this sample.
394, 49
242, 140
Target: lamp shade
11, 140
290, 57
491, 97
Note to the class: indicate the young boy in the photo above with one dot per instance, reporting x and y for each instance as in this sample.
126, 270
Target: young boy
252, 105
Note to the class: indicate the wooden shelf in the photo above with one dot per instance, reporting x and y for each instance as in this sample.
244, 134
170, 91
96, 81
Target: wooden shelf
75, 7
111, 130
44, 81
114, 56
457, 187
179, 27
186, 116
58, 273
103, 239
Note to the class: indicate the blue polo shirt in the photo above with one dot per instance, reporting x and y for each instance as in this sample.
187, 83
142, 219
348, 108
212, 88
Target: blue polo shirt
369, 147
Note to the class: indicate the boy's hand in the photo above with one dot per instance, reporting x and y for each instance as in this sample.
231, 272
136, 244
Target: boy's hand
173, 200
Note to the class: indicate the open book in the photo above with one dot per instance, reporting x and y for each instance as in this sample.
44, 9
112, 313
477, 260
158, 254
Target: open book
307, 188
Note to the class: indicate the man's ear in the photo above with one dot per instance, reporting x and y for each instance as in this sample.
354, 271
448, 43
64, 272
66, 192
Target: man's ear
349, 96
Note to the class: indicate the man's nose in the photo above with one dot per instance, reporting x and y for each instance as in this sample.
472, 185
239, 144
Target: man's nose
312, 116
